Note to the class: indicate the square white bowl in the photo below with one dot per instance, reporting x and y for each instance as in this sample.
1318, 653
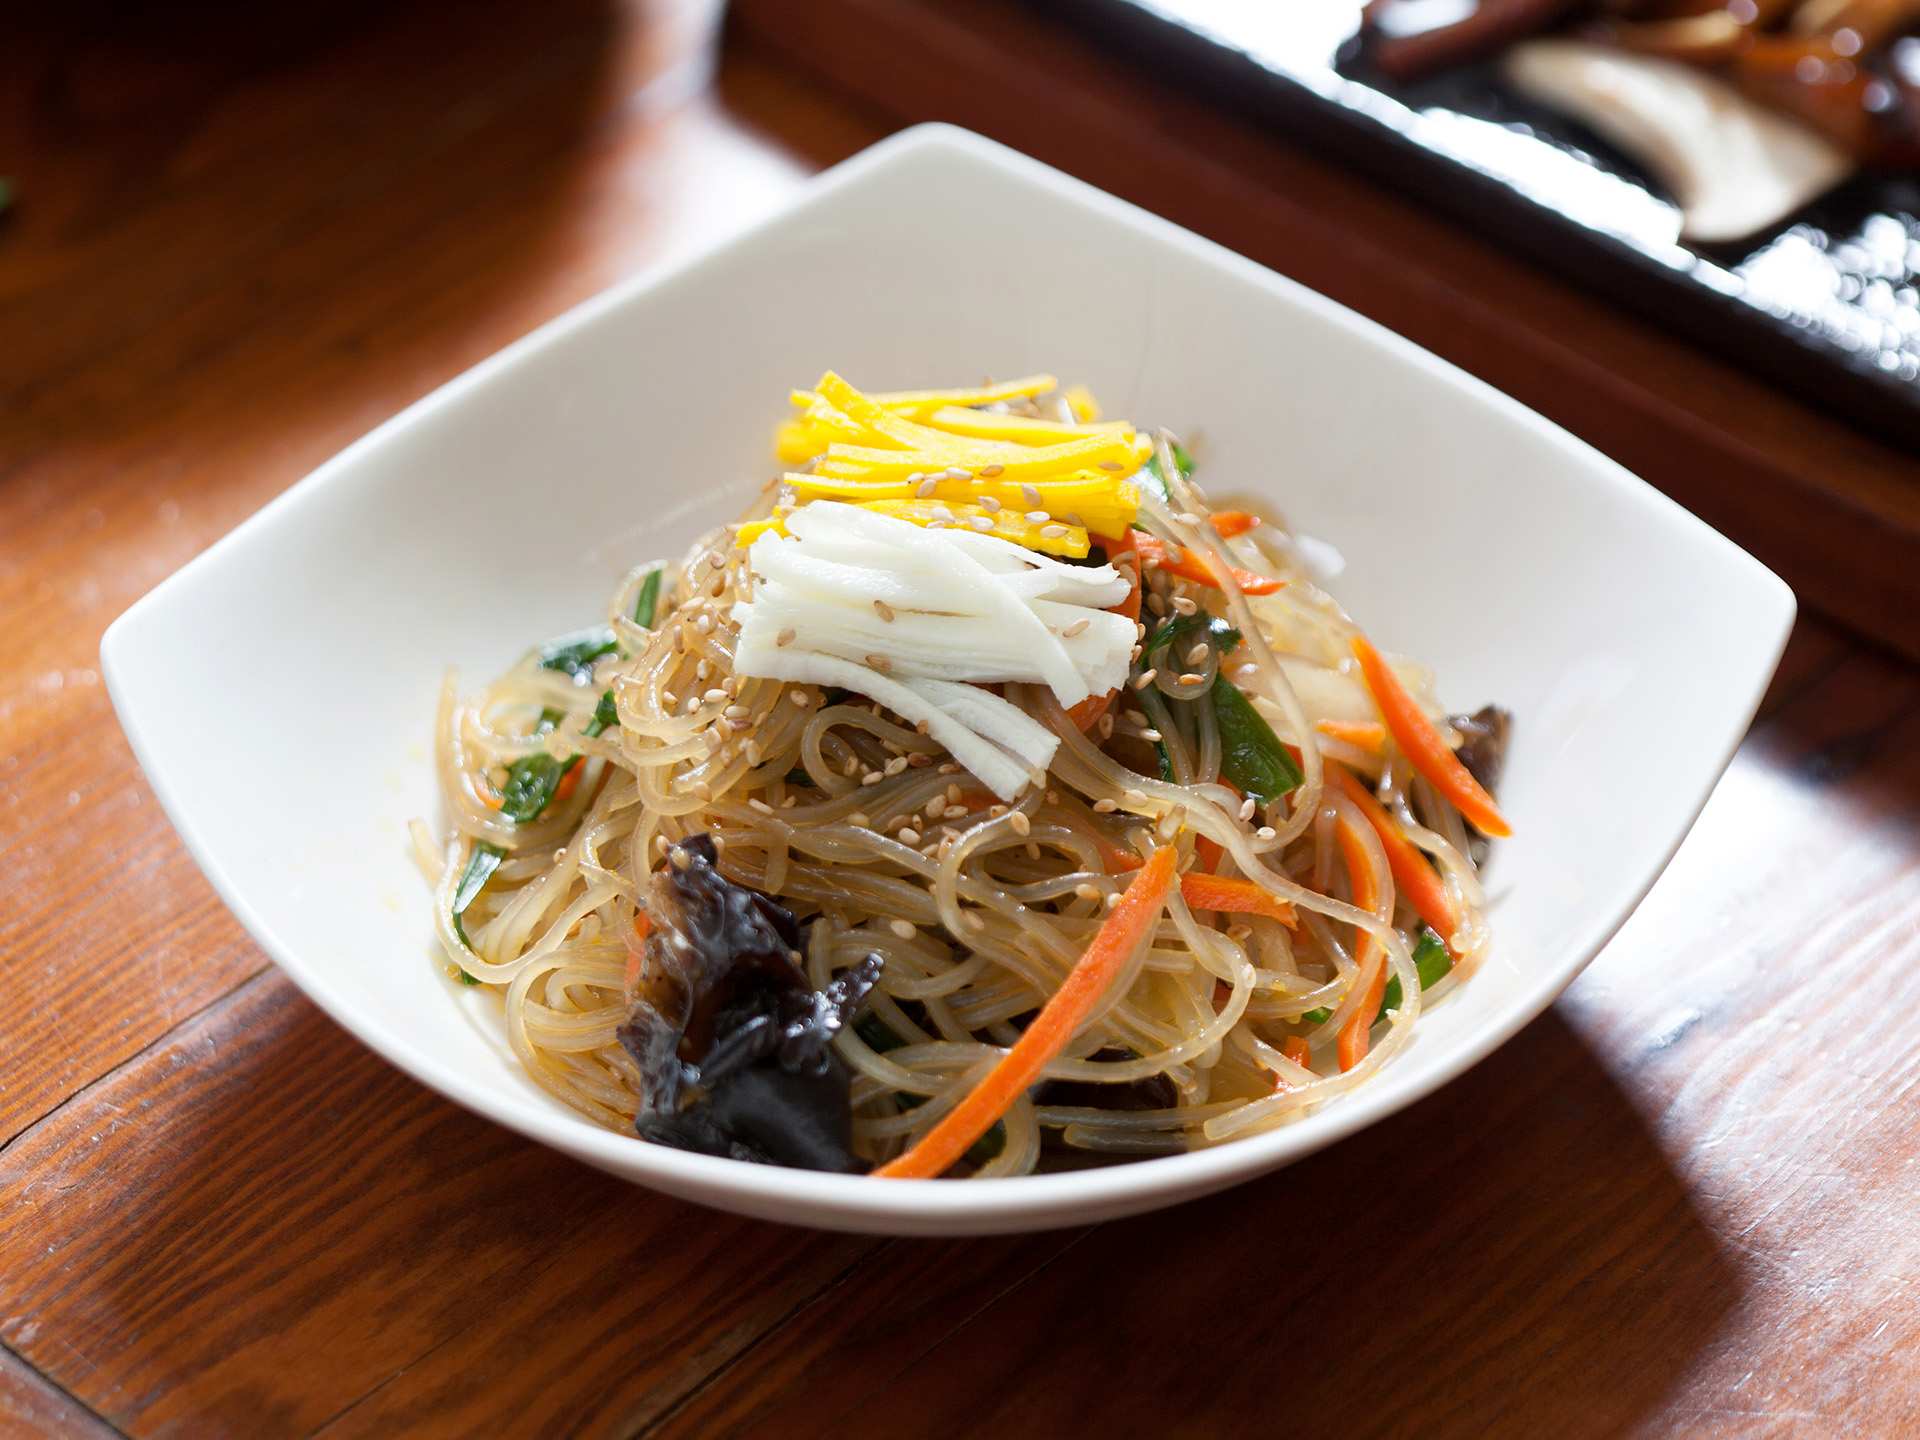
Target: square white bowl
280, 689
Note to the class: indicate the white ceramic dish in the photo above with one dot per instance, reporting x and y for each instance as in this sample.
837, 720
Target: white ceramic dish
279, 690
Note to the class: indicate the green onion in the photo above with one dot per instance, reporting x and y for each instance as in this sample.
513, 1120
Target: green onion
480, 867
647, 601
1252, 758
574, 654
1430, 962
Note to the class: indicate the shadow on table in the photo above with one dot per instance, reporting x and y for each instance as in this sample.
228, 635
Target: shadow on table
1514, 1255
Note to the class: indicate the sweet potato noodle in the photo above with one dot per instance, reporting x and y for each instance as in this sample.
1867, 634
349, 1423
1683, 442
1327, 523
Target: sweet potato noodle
1291, 961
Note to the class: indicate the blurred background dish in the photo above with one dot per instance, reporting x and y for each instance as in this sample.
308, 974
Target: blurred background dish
1739, 171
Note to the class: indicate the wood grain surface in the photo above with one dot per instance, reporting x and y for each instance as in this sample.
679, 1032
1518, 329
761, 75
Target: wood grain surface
1683, 1202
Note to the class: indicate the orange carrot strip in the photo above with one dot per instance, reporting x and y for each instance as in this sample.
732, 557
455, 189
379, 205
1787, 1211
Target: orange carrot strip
1087, 713
1113, 945
1177, 560
1117, 860
1207, 853
1295, 1048
1422, 745
1233, 897
1229, 523
1413, 876
1351, 1045
569, 782
1367, 734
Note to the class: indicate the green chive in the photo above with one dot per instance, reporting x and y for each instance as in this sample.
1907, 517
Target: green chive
1252, 758
648, 601
574, 655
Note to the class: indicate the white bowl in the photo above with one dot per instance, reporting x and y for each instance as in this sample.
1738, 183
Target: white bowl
280, 689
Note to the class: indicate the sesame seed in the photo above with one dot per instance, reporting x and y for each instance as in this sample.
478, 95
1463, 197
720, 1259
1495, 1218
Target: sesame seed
1106, 727
1183, 606
872, 777
1240, 932
693, 704
1265, 832
662, 844
981, 522
1053, 532
883, 610
989, 504
785, 637
704, 624
950, 767
1192, 677
1104, 806
1134, 797
680, 858
1110, 465
703, 670
1187, 517
1078, 627
996, 811
1073, 518
1087, 892
1037, 517
896, 765
1113, 899
936, 807
760, 805
909, 835
903, 928
924, 488
716, 560
953, 791
954, 472
1157, 603
919, 760
798, 697
736, 712
852, 767
714, 696
669, 699
1247, 671
1247, 807
1020, 823
703, 789
1031, 496
754, 753
789, 802
989, 471
1144, 679
1197, 653
880, 663
1151, 735
941, 512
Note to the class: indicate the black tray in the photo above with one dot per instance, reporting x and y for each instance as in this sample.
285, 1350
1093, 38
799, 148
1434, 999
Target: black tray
1826, 305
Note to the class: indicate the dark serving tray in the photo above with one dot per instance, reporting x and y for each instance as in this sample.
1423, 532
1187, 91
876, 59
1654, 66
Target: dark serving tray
1826, 305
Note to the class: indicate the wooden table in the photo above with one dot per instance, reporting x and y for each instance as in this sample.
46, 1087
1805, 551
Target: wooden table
1684, 1201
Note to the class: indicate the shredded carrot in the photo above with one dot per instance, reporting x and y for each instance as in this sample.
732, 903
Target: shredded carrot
1207, 853
1229, 523
1367, 734
1087, 713
569, 782
1177, 560
1422, 745
1233, 897
1372, 977
1295, 1048
1117, 860
1113, 945
1413, 876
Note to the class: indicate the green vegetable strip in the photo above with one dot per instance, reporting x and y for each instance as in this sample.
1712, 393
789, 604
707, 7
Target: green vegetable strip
574, 654
480, 867
606, 715
1430, 962
1158, 482
648, 600
1251, 755
532, 779
1223, 635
